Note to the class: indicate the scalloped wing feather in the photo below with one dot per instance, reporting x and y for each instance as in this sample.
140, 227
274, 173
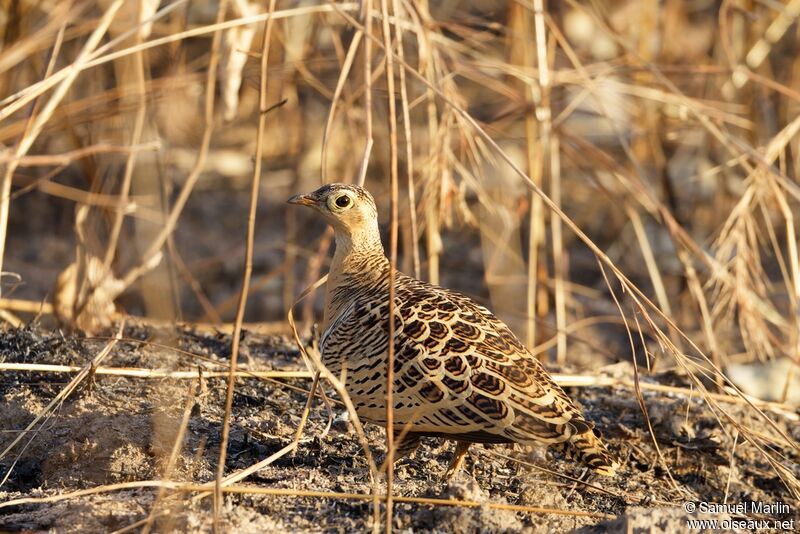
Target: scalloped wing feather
458, 369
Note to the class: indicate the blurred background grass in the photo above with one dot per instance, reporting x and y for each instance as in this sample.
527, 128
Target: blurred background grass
667, 131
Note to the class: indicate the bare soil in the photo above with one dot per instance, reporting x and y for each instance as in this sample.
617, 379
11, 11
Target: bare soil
120, 429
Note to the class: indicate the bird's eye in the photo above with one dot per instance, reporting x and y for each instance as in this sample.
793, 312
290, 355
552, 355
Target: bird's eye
343, 201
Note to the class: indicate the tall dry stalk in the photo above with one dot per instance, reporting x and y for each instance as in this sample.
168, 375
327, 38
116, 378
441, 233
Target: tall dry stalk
255, 189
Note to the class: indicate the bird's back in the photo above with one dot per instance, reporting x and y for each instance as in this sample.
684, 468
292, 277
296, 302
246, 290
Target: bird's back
459, 371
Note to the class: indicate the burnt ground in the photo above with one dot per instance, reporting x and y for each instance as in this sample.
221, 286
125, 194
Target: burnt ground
117, 429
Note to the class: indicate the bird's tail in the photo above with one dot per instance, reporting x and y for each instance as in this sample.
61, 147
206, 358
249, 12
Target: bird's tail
587, 448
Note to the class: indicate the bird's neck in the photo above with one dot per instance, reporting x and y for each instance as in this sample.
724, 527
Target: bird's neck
358, 261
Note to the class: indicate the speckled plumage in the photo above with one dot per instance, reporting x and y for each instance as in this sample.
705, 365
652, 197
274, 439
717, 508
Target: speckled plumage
459, 372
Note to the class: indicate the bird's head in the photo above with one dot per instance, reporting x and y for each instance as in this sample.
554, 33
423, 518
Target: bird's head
350, 209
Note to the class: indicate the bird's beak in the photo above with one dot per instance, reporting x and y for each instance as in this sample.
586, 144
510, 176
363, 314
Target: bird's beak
302, 200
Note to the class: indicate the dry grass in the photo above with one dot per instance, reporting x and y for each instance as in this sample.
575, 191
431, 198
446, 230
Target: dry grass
562, 161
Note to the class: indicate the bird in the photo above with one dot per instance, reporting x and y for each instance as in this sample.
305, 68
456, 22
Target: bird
459, 371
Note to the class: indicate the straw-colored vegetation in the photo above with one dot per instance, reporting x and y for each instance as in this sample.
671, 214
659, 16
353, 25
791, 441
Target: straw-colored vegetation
619, 181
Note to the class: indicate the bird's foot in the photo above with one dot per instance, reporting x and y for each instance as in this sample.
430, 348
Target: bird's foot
458, 459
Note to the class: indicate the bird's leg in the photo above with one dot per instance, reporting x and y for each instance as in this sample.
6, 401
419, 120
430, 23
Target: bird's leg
402, 448
407, 446
458, 458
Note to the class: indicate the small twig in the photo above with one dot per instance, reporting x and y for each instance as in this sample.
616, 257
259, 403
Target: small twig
637, 388
344, 72
133, 372
366, 16
66, 158
138, 128
393, 186
412, 200
731, 466
173, 457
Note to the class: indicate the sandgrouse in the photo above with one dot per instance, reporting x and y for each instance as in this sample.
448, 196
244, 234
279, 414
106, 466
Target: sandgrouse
459, 372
